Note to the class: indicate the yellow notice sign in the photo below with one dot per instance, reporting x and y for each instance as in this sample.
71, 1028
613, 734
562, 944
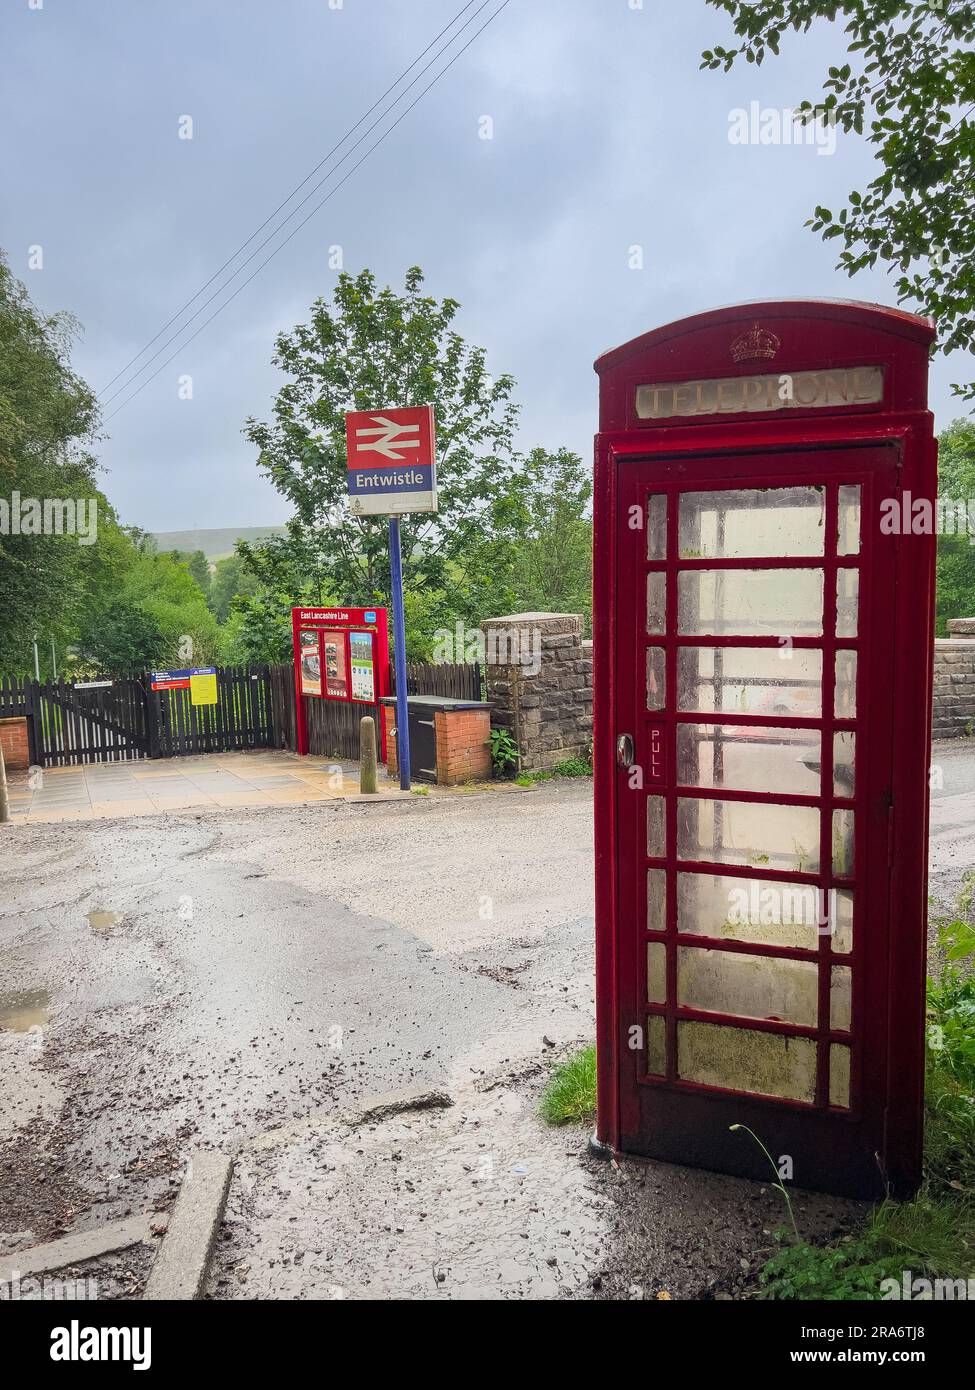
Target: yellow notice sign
203, 686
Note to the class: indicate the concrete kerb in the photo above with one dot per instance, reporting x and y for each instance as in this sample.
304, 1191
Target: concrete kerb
80, 1246
181, 1264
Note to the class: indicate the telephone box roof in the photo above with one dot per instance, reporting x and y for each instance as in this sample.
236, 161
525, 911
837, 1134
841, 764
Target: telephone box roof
878, 316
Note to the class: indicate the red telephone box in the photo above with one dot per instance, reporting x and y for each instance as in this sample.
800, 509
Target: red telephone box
763, 637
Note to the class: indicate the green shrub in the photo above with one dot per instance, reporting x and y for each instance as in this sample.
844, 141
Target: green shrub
849, 1270
933, 1236
504, 752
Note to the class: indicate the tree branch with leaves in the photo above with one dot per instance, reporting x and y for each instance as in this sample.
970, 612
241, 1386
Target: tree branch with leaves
909, 86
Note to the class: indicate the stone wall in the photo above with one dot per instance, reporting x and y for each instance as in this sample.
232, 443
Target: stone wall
954, 680
539, 680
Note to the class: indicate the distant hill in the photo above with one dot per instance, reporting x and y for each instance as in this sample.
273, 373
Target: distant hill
214, 544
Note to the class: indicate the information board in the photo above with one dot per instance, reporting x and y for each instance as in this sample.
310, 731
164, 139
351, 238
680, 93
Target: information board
336, 666
203, 686
363, 667
310, 668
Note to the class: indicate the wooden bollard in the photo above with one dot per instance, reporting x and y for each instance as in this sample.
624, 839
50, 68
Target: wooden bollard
367, 756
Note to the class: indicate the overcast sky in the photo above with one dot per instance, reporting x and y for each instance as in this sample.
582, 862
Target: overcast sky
605, 136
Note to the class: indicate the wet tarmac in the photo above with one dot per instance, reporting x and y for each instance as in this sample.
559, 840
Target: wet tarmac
244, 978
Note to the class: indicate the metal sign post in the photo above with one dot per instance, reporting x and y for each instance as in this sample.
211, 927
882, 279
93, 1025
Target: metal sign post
392, 461
399, 656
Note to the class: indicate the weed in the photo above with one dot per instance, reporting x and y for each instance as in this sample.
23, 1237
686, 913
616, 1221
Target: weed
504, 752
571, 1091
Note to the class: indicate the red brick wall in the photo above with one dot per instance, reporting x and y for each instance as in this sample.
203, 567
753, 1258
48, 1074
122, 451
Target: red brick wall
389, 724
463, 746
13, 739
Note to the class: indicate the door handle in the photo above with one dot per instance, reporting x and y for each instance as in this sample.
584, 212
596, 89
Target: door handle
624, 750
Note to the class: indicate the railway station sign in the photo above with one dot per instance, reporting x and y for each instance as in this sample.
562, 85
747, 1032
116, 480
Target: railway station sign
392, 461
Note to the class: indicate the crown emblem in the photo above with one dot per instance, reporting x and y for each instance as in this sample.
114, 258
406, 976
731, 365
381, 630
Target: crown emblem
754, 345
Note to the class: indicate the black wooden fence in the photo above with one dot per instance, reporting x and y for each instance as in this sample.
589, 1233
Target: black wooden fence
460, 681
333, 725
240, 719
122, 717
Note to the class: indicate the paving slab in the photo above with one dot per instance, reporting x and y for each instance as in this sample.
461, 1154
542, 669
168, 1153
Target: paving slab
212, 780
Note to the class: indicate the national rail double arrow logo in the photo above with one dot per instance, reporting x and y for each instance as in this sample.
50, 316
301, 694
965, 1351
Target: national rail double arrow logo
385, 434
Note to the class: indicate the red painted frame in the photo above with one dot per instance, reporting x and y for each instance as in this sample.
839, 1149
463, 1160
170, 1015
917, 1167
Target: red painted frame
344, 621
890, 441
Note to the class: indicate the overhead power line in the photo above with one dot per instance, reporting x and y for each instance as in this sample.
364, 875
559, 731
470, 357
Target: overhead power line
270, 218
314, 210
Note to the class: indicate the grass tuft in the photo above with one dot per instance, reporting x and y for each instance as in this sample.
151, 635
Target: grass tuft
933, 1236
571, 1093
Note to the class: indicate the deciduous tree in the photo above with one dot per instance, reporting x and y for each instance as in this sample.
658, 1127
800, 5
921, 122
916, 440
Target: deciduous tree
904, 76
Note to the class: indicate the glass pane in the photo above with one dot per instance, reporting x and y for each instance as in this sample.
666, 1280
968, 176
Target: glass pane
656, 828
656, 900
739, 1059
845, 705
848, 537
744, 523
656, 679
843, 843
724, 982
841, 915
657, 526
750, 680
843, 764
847, 600
839, 1075
657, 603
749, 759
839, 998
749, 909
761, 834
656, 1046
783, 602
656, 973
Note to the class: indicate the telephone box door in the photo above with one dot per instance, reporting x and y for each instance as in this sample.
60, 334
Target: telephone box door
754, 641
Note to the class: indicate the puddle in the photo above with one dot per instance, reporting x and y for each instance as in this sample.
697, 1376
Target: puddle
103, 921
19, 1013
